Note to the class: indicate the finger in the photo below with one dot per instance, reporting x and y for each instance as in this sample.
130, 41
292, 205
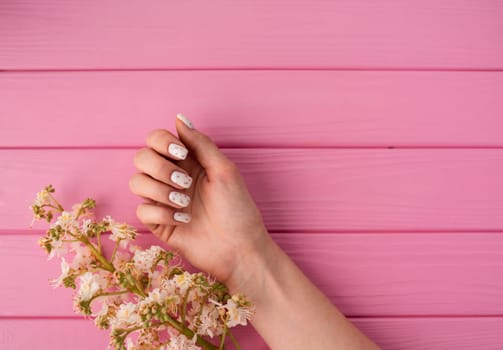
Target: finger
204, 149
155, 214
147, 187
151, 163
167, 144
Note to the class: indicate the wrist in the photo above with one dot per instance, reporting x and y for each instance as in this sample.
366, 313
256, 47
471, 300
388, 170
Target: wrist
255, 270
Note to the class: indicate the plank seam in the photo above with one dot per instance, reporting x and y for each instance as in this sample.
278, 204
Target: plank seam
258, 68
359, 317
18, 232
263, 147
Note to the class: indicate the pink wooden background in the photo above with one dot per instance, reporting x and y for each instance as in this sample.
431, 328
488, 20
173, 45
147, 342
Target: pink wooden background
370, 134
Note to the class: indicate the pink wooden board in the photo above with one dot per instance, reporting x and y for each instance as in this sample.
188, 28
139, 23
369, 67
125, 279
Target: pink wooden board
452, 34
255, 108
465, 333
337, 189
306, 97
363, 274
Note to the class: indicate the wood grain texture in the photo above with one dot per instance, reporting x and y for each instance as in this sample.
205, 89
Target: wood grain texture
329, 34
391, 334
296, 189
363, 274
254, 108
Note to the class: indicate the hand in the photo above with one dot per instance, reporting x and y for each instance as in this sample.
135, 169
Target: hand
222, 232
221, 227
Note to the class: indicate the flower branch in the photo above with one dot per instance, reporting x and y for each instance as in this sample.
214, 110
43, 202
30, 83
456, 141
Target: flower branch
142, 291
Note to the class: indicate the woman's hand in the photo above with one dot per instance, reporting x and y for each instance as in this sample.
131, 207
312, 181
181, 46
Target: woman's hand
220, 227
221, 231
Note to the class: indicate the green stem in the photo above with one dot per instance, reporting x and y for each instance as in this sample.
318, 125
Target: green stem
190, 334
104, 262
52, 206
184, 305
98, 237
198, 319
60, 207
114, 251
148, 283
78, 214
234, 340
129, 331
223, 338
137, 289
154, 266
108, 294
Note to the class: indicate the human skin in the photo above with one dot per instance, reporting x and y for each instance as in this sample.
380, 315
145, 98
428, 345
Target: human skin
227, 238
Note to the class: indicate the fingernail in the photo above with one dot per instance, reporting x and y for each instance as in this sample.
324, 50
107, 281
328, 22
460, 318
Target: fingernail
185, 120
178, 198
181, 179
177, 151
182, 217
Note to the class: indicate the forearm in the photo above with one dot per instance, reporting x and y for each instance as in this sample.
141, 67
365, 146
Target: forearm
291, 313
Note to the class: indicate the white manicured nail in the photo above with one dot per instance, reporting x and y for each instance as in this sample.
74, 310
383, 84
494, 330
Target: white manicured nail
185, 120
181, 179
178, 198
177, 151
182, 217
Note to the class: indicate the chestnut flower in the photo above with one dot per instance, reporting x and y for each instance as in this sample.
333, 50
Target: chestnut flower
121, 232
127, 316
65, 269
90, 284
148, 300
180, 343
144, 260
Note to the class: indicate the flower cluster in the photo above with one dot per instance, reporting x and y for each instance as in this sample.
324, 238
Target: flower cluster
143, 296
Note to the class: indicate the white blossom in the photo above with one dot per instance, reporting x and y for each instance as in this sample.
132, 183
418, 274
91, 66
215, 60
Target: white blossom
86, 223
181, 342
209, 321
83, 256
169, 286
43, 198
183, 281
90, 284
65, 268
58, 248
156, 296
122, 257
129, 344
156, 279
122, 233
237, 314
144, 259
77, 209
67, 221
126, 316
104, 311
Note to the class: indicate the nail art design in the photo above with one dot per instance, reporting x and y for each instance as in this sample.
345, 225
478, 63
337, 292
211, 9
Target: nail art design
185, 120
178, 198
182, 217
177, 151
181, 179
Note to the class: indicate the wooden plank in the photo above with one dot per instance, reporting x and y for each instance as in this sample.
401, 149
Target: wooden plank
254, 108
295, 189
434, 333
329, 34
363, 274
391, 334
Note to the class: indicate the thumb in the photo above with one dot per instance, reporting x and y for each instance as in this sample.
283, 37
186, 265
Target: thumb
204, 149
